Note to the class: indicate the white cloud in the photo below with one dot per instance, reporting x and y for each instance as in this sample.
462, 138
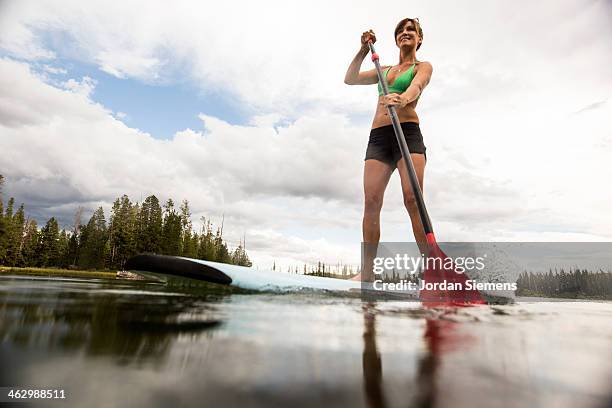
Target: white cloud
284, 56
84, 87
127, 64
54, 70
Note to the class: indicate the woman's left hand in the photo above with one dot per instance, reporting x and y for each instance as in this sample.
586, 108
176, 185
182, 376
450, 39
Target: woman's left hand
394, 100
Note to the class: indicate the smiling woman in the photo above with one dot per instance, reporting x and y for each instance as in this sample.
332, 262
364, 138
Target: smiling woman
417, 26
406, 80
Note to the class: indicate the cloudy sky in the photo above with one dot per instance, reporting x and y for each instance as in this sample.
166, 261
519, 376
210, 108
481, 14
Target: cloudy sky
240, 107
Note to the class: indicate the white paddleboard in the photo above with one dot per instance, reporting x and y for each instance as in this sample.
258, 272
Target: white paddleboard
166, 268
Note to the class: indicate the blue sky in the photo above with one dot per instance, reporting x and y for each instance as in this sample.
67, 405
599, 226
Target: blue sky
161, 109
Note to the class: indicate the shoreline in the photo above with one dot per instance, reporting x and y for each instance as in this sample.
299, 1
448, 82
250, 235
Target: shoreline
69, 273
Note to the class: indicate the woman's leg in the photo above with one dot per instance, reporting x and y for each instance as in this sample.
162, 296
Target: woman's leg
418, 160
376, 176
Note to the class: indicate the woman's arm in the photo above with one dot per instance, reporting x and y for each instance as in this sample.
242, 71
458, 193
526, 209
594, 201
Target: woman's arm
353, 76
419, 82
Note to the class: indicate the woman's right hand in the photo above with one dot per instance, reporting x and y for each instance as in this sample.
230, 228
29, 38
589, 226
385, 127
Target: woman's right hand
366, 37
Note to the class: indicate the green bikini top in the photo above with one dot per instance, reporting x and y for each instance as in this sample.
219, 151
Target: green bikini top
401, 83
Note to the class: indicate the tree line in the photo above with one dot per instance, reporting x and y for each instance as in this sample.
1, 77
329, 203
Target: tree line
341, 271
575, 283
132, 228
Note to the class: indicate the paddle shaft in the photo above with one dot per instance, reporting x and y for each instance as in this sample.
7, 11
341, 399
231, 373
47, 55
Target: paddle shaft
399, 134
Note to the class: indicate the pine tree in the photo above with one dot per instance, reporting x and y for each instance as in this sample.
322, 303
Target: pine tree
72, 256
8, 215
206, 246
74, 239
7, 233
15, 238
122, 232
240, 257
222, 252
11, 234
150, 226
95, 235
3, 231
31, 244
189, 246
63, 249
49, 243
171, 230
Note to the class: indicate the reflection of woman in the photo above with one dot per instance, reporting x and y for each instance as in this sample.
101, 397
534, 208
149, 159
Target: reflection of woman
406, 82
440, 337
438, 334
372, 364
429, 363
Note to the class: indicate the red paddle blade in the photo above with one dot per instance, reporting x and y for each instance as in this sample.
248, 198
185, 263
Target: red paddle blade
443, 285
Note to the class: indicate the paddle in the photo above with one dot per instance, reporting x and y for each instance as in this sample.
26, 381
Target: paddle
442, 269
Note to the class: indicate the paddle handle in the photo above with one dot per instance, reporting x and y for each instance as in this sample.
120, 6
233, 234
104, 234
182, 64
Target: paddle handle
399, 134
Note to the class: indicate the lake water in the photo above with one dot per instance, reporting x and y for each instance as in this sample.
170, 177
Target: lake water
111, 343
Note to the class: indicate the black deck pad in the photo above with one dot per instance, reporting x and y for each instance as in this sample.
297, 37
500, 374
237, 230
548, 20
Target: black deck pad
176, 266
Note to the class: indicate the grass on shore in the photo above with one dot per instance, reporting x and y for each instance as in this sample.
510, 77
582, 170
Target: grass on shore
68, 273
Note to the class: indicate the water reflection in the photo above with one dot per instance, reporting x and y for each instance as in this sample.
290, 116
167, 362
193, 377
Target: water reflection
372, 364
101, 322
440, 337
104, 340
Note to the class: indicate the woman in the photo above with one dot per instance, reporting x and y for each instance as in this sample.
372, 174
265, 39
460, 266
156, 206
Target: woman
406, 82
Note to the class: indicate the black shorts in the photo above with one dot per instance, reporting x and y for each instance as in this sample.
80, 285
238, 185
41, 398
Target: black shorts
383, 145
